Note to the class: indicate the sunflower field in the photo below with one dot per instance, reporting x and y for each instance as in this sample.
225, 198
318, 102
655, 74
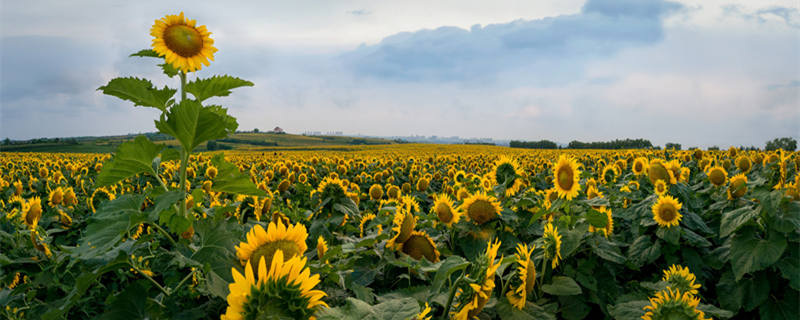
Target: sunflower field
387, 232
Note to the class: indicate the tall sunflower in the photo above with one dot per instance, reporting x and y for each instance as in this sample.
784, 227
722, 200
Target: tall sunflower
665, 211
669, 304
444, 210
183, 44
526, 273
284, 291
472, 298
566, 176
289, 239
481, 208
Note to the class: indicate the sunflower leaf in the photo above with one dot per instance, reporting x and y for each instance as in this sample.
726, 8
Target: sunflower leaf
562, 286
733, 220
216, 86
193, 124
145, 53
132, 158
597, 218
139, 91
749, 253
230, 180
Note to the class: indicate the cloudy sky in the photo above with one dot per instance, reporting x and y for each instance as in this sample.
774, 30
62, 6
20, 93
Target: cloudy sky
696, 72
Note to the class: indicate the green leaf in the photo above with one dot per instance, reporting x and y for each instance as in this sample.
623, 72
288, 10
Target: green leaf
230, 180
790, 270
573, 307
631, 310
216, 86
447, 268
608, 252
216, 247
750, 253
168, 69
193, 124
107, 226
129, 304
783, 309
695, 239
354, 309
131, 158
139, 91
145, 53
174, 221
562, 286
711, 310
669, 234
163, 202
596, 218
731, 221
642, 251
531, 312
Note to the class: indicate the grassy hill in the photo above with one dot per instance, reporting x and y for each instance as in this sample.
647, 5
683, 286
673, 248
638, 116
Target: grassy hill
237, 141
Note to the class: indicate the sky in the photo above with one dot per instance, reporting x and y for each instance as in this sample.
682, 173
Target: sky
696, 72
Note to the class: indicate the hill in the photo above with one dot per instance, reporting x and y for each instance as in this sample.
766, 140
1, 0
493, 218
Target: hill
238, 141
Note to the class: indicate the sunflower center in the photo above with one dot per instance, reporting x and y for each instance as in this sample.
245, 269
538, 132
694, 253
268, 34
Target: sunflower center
417, 247
565, 178
637, 167
667, 213
444, 213
481, 211
267, 250
183, 40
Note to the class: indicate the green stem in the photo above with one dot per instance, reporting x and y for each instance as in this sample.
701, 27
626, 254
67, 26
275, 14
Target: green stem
450, 297
184, 156
183, 86
164, 232
544, 268
184, 280
164, 290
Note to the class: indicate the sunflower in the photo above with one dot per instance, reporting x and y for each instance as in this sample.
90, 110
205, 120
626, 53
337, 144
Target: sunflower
423, 315
681, 279
639, 166
32, 212
419, 245
56, 196
592, 193
422, 185
661, 187
609, 174
375, 192
366, 218
290, 239
507, 174
408, 203
474, 296
665, 211
332, 187
481, 208
322, 248
444, 210
404, 224
744, 164
609, 228
527, 275
393, 192
657, 170
550, 196
552, 244
182, 44
717, 175
738, 186
566, 176
284, 291
669, 304
211, 172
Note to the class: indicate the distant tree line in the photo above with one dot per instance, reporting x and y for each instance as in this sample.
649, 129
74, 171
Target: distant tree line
212, 145
250, 142
542, 144
481, 143
786, 143
672, 145
616, 144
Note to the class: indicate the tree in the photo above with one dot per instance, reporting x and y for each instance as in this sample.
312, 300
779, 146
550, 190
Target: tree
255, 130
672, 145
785, 143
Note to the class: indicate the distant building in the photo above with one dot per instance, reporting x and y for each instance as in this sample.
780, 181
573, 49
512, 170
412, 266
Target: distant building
277, 130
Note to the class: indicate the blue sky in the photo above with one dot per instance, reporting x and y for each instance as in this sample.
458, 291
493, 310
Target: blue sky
696, 72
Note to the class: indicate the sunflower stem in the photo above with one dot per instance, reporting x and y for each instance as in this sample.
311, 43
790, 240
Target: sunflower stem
450, 296
164, 290
184, 280
183, 86
164, 232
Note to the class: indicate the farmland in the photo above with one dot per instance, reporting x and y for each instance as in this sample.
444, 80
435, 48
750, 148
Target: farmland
407, 231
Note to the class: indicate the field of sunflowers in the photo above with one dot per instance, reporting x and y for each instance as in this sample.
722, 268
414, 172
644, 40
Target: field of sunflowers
404, 232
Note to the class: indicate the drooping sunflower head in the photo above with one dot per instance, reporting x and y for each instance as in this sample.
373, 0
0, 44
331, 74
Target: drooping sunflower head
333, 188
717, 175
526, 276
33, 212
403, 226
282, 291
375, 192
665, 211
592, 192
552, 244
419, 245
680, 278
639, 165
408, 204
672, 304
182, 43
290, 239
56, 196
393, 192
444, 210
738, 186
566, 176
481, 208
609, 228
744, 163
473, 297
661, 187
506, 173
322, 247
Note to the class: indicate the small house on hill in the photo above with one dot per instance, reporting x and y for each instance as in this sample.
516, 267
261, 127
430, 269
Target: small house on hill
277, 130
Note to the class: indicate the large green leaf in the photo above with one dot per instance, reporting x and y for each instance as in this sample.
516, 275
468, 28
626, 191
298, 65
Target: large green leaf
230, 180
192, 124
354, 309
216, 246
750, 253
596, 218
108, 225
139, 91
129, 304
446, 269
562, 286
643, 251
531, 311
733, 220
216, 86
631, 310
132, 158
168, 69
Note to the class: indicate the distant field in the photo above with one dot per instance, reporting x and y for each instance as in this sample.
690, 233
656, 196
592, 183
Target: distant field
237, 141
